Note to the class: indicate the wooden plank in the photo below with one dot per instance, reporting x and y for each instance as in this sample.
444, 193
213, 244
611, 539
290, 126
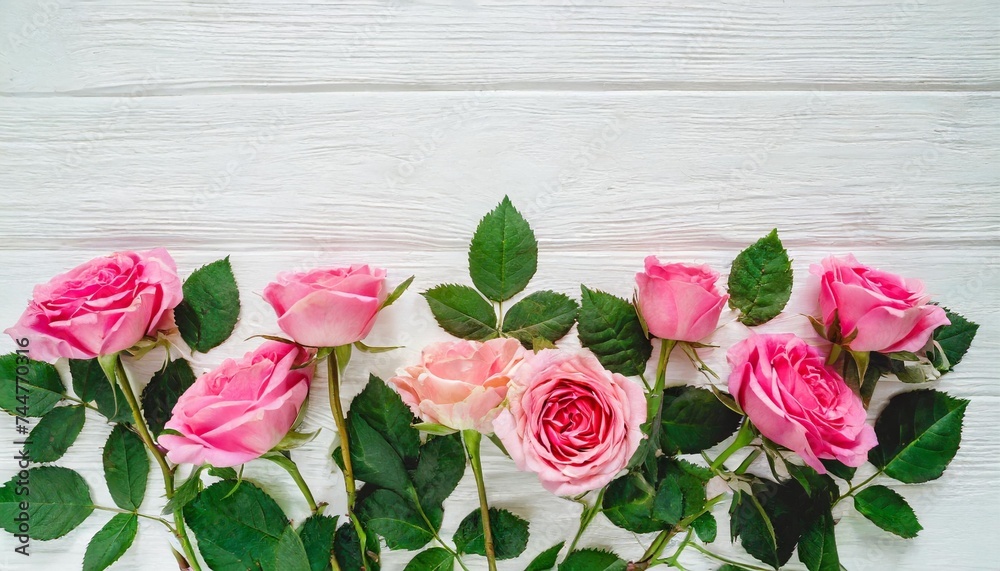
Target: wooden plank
182, 46
381, 170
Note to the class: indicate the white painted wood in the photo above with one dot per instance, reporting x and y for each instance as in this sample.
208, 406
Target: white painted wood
295, 134
417, 170
175, 46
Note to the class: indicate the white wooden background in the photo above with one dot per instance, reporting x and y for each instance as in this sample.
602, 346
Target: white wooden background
298, 134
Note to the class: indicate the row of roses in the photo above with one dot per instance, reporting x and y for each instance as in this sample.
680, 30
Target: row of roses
573, 418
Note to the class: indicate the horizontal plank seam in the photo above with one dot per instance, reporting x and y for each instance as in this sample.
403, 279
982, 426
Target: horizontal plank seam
142, 90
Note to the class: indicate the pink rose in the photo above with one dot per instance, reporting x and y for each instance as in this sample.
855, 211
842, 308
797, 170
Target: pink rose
101, 307
240, 410
888, 312
571, 421
461, 384
328, 307
679, 301
796, 400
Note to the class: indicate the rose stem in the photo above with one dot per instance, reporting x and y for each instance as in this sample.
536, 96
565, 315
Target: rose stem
672, 561
472, 440
722, 559
850, 492
589, 512
293, 471
168, 474
333, 379
137, 514
658, 545
743, 437
654, 411
430, 526
663, 539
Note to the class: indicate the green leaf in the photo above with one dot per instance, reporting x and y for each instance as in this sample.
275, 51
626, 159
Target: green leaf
690, 479
760, 281
628, 504
211, 306
347, 549
955, 339
706, 527
92, 385
186, 492
238, 527
546, 560
385, 412
694, 420
28, 388
55, 433
375, 460
888, 510
59, 501
126, 467
441, 467
397, 520
609, 326
818, 544
433, 559
769, 521
396, 293
918, 435
839, 470
317, 535
541, 315
668, 504
461, 311
503, 255
593, 560
289, 553
224, 473
162, 392
510, 534
111, 542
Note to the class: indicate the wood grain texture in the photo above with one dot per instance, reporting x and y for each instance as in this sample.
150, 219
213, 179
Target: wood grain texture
299, 134
180, 46
393, 169
965, 280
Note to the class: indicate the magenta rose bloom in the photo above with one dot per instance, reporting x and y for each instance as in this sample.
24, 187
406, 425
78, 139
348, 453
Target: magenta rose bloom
679, 301
240, 410
795, 399
888, 312
101, 307
461, 384
571, 421
328, 307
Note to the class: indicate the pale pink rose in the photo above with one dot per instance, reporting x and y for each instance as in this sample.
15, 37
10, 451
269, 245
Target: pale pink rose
571, 421
679, 301
328, 307
890, 313
240, 410
795, 399
461, 384
101, 307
